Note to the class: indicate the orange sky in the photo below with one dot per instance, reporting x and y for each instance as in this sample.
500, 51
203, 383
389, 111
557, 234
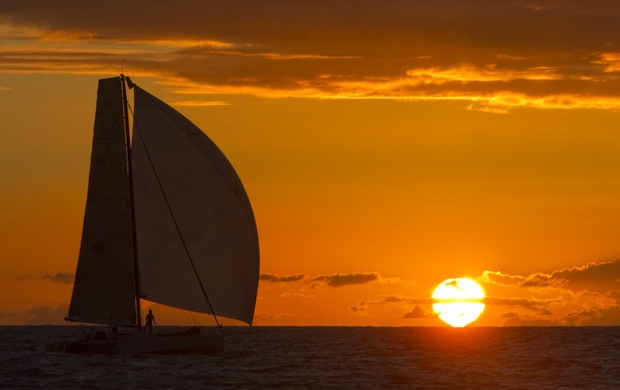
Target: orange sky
384, 147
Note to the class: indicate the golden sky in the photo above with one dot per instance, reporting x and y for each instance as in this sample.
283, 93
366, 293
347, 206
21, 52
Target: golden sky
385, 145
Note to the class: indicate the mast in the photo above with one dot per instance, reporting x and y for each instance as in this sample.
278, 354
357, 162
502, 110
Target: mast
124, 83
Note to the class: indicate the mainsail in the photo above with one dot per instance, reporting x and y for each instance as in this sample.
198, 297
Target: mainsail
197, 243
104, 283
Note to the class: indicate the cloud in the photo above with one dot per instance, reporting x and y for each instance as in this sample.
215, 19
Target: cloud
358, 309
281, 279
361, 307
604, 276
340, 280
60, 277
198, 103
381, 300
609, 316
321, 281
7, 314
465, 73
500, 279
418, 312
582, 295
541, 306
515, 319
601, 277
404, 50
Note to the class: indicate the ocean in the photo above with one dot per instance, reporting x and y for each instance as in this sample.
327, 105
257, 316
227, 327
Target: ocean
331, 358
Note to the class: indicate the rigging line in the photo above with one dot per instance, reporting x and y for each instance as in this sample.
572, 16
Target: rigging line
131, 202
176, 225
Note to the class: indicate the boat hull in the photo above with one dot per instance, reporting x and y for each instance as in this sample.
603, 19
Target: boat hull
90, 347
164, 344
152, 344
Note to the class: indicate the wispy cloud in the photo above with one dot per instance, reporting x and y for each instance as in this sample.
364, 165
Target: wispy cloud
418, 312
331, 280
520, 319
198, 103
329, 50
466, 73
595, 316
540, 306
281, 279
340, 280
581, 295
500, 278
381, 300
602, 276
60, 277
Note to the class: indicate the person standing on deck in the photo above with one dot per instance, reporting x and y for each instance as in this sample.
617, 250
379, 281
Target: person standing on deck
150, 320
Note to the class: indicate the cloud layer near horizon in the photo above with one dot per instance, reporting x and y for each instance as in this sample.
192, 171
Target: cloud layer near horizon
332, 280
600, 277
493, 55
589, 294
60, 277
581, 295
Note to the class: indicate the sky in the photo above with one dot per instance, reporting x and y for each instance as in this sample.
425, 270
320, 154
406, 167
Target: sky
385, 146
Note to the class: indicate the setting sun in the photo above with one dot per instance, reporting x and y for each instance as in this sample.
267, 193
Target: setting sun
458, 301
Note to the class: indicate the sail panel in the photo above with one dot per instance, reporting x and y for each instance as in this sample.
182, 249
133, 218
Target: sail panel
189, 199
104, 286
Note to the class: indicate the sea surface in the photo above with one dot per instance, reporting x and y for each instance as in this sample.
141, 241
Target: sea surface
331, 358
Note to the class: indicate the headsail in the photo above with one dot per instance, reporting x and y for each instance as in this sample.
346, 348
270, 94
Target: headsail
104, 285
192, 216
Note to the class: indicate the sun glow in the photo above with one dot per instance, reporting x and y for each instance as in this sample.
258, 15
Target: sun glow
458, 301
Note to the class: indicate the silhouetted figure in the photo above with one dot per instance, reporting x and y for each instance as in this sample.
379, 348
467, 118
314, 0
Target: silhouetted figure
150, 320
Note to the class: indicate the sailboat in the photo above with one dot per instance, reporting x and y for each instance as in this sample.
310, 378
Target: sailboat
168, 220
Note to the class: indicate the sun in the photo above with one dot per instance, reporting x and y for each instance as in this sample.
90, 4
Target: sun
458, 301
